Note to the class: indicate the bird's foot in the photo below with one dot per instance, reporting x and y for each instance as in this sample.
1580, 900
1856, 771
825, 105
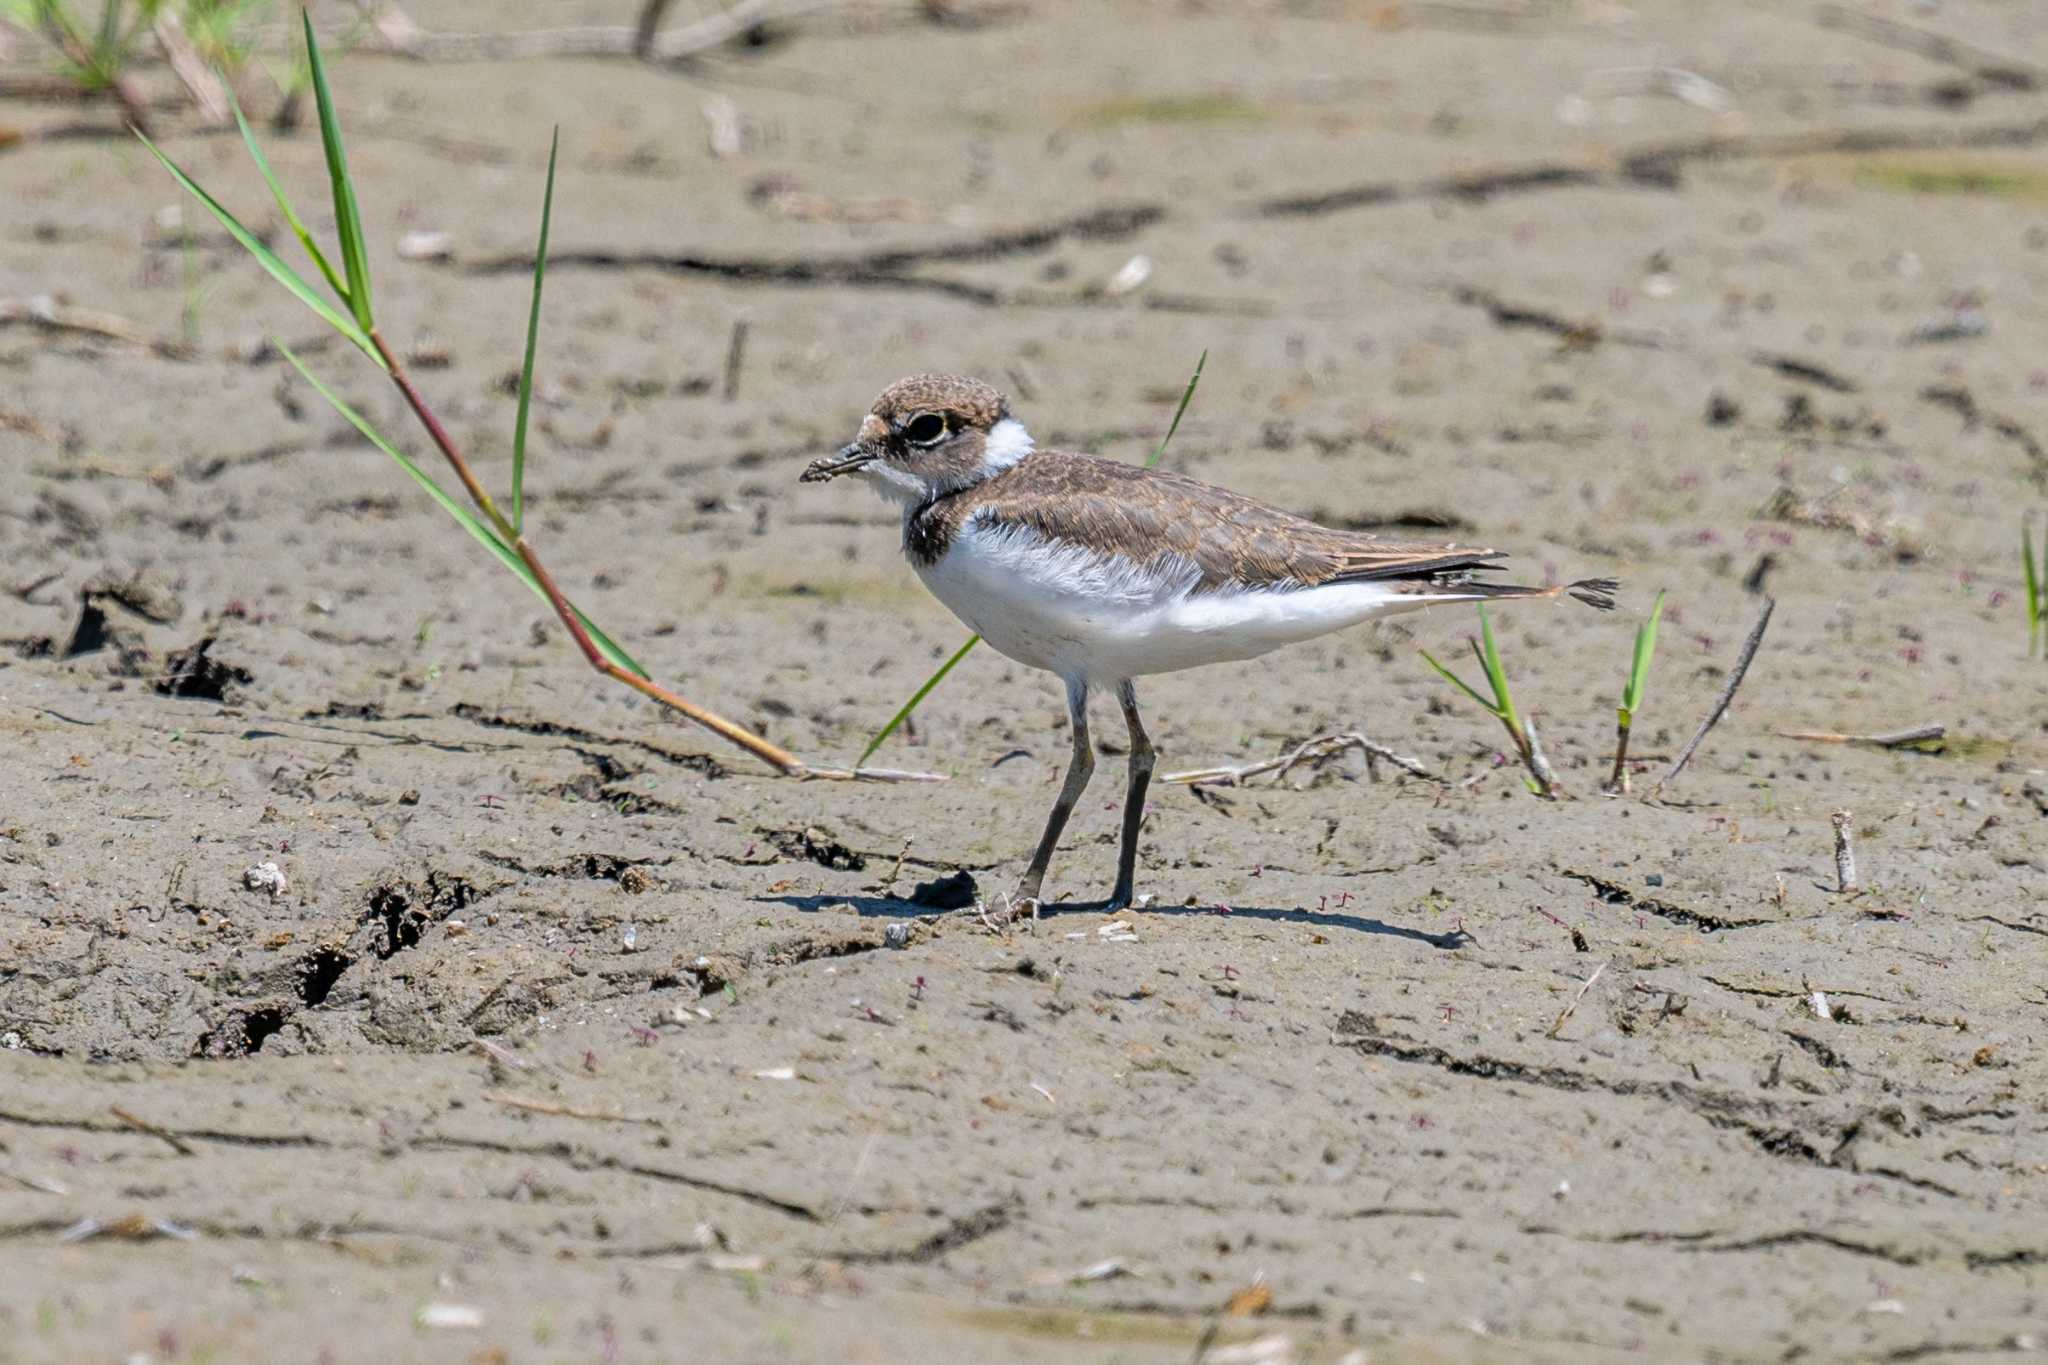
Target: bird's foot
1123, 898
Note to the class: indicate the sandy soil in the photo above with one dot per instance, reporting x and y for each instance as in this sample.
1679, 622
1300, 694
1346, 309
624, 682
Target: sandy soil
574, 1036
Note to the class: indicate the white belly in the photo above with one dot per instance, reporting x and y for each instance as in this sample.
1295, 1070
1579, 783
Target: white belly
1098, 618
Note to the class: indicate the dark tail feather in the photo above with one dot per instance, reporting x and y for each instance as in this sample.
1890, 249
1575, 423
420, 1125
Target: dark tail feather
1594, 592
1597, 593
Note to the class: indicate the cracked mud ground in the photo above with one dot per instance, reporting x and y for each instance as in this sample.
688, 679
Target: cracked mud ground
571, 1018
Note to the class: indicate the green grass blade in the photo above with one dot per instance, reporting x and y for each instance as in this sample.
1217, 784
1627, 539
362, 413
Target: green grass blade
1496, 675
348, 220
469, 521
1459, 683
284, 205
540, 270
1639, 667
915, 697
2034, 603
1187, 396
110, 34
268, 259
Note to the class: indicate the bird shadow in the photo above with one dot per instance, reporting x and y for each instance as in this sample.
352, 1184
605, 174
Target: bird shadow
897, 907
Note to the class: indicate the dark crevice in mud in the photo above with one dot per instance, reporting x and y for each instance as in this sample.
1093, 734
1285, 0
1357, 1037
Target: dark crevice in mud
596, 867
1805, 371
1811, 1237
206, 470
1935, 1350
814, 845
1616, 894
194, 672
242, 1033
404, 909
1958, 399
959, 1232
887, 267
2013, 925
1657, 166
810, 947
1476, 189
1714, 1241
583, 1159
1505, 313
1993, 69
1718, 1108
1819, 1051
1410, 519
188, 1134
318, 971
477, 715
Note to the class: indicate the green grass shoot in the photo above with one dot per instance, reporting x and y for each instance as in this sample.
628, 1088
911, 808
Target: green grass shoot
1501, 705
348, 218
1632, 694
2037, 588
1187, 396
903, 712
356, 319
540, 270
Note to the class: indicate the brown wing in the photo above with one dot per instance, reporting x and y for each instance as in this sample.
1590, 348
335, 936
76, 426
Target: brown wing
1151, 514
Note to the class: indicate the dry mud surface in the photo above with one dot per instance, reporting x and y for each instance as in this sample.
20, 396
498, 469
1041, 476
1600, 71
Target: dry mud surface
574, 1035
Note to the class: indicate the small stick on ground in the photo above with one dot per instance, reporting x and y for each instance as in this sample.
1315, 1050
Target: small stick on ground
191, 69
1584, 986
735, 359
500, 1055
643, 39
182, 1147
888, 883
1845, 855
51, 316
1749, 648
1895, 739
1315, 750
561, 1110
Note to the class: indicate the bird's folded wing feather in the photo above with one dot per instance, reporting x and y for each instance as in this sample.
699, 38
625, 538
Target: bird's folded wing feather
1151, 515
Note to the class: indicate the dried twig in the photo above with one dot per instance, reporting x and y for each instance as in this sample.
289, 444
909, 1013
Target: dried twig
641, 39
182, 1147
1584, 986
45, 312
1749, 648
191, 69
1315, 750
562, 1110
1895, 739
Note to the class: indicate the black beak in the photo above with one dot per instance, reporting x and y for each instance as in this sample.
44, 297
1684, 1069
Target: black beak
850, 457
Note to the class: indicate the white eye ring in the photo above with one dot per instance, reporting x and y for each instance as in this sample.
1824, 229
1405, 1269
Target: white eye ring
925, 429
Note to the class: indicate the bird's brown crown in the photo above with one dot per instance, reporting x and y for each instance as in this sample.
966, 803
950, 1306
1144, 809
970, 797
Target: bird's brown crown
969, 402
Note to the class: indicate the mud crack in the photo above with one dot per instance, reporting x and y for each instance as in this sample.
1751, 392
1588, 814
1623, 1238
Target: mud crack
959, 1232
1614, 893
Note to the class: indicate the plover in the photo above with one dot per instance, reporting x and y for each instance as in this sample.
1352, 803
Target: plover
1101, 572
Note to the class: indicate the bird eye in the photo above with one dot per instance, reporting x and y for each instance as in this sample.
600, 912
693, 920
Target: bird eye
925, 429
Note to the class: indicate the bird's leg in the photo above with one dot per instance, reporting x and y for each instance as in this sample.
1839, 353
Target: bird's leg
1142, 758
1078, 772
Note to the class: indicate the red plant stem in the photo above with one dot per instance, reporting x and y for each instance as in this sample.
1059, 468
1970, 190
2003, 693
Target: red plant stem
772, 754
